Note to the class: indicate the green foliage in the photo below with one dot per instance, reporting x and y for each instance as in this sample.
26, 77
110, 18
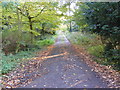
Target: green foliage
45, 42
96, 50
94, 46
79, 17
102, 18
113, 57
13, 41
90, 42
25, 26
23, 23
11, 61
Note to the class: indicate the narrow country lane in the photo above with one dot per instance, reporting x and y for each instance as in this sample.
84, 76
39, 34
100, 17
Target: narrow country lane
60, 44
64, 69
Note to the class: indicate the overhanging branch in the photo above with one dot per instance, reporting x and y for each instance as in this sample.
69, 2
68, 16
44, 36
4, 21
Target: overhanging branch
39, 13
21, 12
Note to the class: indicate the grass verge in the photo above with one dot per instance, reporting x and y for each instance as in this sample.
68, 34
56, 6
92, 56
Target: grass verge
91, 43
11, 61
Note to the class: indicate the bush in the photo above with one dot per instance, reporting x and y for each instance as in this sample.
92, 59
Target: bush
13, 41
10, 61
113, 57
45, 42
84, 40
102, 18
96, 50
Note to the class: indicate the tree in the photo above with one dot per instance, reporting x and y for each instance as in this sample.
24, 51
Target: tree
102, 19
24, 21
39, 12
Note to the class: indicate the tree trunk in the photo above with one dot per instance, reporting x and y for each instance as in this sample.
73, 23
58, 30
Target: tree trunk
43, 32
19, 31
31, 28
70, 29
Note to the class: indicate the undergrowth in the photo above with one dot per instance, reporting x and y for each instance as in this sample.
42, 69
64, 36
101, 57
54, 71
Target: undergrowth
91, 43
10, 61
45, 42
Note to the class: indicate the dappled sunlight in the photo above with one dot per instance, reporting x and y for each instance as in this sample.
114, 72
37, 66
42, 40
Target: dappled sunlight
46, 57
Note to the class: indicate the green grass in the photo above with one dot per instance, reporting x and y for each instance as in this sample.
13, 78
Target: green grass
45, 42
96, 50
90, 42
48, 40
93, 46
9, 62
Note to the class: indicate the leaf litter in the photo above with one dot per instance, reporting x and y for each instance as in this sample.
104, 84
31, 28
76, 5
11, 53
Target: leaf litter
106, 72
26, 72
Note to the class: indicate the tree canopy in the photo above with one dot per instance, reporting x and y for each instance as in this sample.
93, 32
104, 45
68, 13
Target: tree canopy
102, 18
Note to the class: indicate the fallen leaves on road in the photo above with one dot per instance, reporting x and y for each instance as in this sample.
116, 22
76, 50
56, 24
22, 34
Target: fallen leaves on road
26, 72
110, 75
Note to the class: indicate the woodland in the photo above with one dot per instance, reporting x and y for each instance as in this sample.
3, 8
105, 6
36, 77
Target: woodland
28, 27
